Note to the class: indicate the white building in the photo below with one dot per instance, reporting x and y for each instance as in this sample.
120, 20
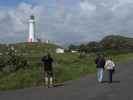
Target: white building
31, 29
74, 51
47, 42
60, 50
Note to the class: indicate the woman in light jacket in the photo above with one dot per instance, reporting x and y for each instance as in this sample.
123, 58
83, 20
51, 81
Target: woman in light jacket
110, 66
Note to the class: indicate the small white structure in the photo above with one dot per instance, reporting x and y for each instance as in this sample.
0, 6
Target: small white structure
47, 41
31, 29
1, 54
60, 50
74, 51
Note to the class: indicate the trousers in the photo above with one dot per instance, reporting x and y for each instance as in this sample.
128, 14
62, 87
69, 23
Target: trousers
110, 75
100, 74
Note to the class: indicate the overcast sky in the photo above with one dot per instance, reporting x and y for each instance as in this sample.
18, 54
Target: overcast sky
66, 21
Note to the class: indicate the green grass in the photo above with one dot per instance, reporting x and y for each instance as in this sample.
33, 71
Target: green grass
72, 67
67, 66
123, 58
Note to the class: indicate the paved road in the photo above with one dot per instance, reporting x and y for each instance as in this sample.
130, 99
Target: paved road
83, 89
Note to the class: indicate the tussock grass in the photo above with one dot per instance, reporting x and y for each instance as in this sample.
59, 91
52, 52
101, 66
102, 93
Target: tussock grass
67, 66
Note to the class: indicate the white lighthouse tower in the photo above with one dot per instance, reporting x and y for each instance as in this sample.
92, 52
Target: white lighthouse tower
31, 29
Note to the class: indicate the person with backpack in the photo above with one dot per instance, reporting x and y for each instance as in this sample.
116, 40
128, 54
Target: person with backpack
110, 67
100, 62
48, 70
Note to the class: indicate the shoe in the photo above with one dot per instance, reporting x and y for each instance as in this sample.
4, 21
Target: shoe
51, 86
100, 81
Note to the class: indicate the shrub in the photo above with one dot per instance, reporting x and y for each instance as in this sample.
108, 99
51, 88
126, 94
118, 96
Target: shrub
11, 61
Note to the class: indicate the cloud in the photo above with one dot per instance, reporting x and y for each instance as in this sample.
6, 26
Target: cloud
14, 22
68, 21
3, 14
87, 7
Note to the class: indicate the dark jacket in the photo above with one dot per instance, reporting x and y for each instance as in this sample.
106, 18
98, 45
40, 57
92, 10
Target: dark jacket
100, 62
47, 62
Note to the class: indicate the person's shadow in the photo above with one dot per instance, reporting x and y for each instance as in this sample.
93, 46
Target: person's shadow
59, 85
109, 82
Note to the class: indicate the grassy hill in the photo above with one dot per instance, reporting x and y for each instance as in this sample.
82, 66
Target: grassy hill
114, 44
67, 66
118, 43
25, 76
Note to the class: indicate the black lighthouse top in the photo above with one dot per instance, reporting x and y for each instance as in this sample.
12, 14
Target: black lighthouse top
32, 17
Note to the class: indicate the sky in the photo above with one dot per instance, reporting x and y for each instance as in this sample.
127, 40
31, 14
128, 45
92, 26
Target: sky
65, 21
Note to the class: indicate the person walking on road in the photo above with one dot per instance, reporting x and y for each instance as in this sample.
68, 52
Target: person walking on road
100, 62
110, 66
48, 70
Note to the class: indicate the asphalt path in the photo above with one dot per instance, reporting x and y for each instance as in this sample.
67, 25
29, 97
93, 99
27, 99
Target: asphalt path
86, 88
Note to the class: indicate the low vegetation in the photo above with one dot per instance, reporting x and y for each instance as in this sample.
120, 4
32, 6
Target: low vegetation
112, 44
21, 67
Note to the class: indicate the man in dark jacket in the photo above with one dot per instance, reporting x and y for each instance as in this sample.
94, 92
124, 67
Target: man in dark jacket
100, 62
48, 70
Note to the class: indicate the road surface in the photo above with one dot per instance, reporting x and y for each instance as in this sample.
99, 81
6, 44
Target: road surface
85, 88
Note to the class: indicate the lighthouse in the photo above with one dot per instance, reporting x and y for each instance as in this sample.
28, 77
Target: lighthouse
31, 29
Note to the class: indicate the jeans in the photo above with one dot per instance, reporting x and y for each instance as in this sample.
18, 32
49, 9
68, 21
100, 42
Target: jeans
100, 74
110, 75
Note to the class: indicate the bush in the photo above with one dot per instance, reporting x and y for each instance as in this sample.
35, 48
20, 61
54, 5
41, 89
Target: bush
11, 61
